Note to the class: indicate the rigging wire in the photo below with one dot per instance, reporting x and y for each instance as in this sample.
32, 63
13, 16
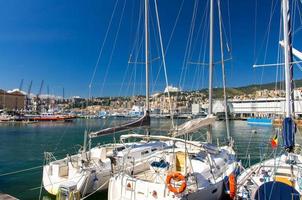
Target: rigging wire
102, 47
170, 39
113, 48
300, 16
136, 41
202, 46
188, 46
266, 38
223, 74
206, 40
279, 54
273, 8
164, 61
229, 42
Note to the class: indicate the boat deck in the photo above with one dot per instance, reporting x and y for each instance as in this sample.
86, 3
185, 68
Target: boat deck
152, 176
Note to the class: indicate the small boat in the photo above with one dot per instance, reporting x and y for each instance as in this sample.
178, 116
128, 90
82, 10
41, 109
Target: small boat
6, 118
44, 117
260, 121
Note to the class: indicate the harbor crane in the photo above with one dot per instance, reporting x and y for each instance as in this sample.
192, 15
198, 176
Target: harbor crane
38, 97
28, 96
21, 85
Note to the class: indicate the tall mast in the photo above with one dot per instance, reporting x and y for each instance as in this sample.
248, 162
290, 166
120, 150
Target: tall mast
209, 133
211, 56
225, 101
288, 88
147, 54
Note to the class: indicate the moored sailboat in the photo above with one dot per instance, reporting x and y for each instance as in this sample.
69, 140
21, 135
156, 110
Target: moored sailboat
280, 176
89, 171
188, 170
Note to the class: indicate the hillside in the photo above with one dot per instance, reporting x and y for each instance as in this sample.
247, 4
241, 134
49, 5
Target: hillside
249, 89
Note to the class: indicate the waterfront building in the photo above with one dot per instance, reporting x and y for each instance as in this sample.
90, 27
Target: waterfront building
12, 100
263, 107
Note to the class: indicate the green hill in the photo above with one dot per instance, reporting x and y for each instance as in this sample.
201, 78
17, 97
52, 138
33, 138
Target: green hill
249, 89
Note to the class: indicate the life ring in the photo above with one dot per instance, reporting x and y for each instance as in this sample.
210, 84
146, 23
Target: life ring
232, 185
178, 177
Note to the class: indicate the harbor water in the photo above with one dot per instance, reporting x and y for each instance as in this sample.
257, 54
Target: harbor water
22, 148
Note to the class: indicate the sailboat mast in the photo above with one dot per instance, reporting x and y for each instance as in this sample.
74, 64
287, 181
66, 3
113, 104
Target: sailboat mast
225, 101
211, 57
288, 89
209, 133
147, 107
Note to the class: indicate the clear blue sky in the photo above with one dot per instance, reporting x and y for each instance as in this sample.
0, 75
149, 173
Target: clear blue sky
58, 41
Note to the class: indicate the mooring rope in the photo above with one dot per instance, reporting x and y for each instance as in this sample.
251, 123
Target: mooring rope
22, 170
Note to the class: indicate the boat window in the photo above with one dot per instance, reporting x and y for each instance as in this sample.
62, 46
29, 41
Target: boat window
144, 152
120, 148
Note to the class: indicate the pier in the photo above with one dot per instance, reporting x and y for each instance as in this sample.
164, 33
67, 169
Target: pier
7, 197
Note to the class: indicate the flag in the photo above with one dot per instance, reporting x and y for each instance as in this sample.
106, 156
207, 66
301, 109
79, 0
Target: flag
274, 141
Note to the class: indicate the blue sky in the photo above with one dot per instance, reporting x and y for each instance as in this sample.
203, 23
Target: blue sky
59, 42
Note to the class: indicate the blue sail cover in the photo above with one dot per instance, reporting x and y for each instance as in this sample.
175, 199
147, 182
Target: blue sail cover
276, 191
289, 130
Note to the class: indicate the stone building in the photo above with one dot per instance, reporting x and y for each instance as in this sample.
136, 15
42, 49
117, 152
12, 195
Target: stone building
14, 100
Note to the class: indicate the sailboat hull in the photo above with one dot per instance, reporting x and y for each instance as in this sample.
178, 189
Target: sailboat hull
284, 169
143, 190
90, 171
204, 179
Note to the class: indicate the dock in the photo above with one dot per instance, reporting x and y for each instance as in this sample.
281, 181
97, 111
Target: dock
7, 197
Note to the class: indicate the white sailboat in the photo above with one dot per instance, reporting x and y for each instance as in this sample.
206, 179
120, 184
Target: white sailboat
188, 170
279, 177
89, 170
82, 174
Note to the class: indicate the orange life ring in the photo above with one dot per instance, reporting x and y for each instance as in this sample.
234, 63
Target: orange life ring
232, 185
178, 177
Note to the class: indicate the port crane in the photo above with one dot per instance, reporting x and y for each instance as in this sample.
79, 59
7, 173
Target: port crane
28, 96
38, 97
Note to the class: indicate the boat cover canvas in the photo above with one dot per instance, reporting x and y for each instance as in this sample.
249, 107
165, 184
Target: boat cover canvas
192, 125
143, 121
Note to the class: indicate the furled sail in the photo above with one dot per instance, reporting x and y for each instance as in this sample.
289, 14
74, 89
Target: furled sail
289, 130
143, 121
193, 125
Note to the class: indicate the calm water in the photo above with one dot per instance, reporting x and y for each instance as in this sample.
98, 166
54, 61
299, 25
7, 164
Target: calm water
22, 147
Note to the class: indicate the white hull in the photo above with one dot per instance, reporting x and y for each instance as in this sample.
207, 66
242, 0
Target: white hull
93, 174
151, 184
144, 190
